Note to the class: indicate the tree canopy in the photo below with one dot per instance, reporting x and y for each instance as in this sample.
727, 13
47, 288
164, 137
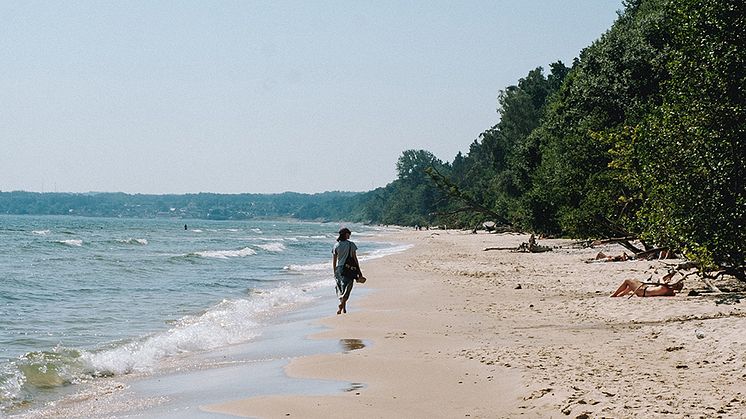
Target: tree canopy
642, 136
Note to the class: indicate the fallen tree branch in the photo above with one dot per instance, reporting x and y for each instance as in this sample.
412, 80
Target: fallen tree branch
662, 253
456, 211
611, 240
454, 191
623, 241
711, 285
532, 246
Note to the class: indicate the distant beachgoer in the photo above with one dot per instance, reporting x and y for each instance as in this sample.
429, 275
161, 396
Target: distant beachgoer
649, 289
344, 251
601, 256
185, 227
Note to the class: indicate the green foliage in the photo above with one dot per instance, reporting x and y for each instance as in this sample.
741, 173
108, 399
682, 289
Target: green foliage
643, 136
412, 199
612, 86
412, 164
493, 179
693, 162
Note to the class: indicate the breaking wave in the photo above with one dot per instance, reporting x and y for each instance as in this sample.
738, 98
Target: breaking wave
226, 254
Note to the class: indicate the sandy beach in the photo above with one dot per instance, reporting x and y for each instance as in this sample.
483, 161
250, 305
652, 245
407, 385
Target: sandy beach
451, 330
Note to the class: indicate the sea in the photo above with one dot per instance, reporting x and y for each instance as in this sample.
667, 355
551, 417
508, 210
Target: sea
87, 300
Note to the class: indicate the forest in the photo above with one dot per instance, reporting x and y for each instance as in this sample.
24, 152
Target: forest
641, 136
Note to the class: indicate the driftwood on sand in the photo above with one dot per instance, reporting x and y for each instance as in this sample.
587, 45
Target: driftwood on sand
532, 246
625, 242
657, 253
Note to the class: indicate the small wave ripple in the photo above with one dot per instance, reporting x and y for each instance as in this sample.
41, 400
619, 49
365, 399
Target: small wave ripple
71, 242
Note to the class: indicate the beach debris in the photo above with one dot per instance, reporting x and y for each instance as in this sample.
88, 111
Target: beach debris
623, 241
518, 287
687, 265
500, 248
729, 299
709, 283
657, 253
699, 334
532, 246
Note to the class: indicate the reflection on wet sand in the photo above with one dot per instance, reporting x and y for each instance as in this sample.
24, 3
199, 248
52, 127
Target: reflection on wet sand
351, 344
355, 387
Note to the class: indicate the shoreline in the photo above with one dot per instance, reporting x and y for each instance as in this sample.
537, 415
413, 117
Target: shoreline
183, 381
453, 335
178, 388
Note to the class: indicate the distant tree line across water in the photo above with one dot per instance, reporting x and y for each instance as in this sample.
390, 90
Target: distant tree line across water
642, 136
323, 206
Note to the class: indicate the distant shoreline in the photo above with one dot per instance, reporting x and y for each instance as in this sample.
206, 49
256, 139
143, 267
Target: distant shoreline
209, 206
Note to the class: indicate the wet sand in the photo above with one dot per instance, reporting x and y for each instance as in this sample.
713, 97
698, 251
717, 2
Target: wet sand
452, 330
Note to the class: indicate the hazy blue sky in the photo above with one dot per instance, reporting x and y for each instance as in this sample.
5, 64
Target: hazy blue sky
261, 96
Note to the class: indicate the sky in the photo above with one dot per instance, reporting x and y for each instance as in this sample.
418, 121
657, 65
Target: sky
268, 96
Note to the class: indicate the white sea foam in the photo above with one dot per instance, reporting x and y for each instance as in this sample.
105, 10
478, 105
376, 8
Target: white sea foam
314, 267
11, 384
225, 254
257, 230
41, 232
230, 322
272, 247
142, 242
279, 247
376, 254
71, 242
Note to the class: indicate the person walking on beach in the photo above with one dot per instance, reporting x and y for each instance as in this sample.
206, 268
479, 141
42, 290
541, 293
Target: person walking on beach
344, 252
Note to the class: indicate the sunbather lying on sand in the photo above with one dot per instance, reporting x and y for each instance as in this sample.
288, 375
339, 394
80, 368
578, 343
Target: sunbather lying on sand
602, 257
649, 289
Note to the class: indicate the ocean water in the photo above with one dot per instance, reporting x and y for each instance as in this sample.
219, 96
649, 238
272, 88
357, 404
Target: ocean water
83, 299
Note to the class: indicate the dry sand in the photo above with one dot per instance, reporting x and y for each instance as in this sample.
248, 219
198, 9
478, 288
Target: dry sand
448, 333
